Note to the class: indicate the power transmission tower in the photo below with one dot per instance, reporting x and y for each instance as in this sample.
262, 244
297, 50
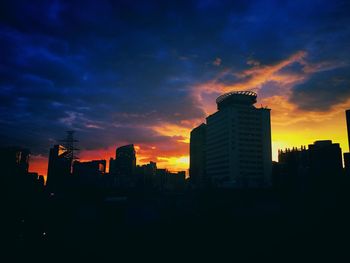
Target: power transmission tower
69, 144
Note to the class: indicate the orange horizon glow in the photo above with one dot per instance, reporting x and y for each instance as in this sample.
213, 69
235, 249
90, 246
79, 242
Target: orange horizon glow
291, 126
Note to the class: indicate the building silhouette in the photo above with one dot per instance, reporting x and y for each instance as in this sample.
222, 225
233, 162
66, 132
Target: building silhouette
146, 175
198, 155
293, 168
347, 163
14, 160
166, 180
238, 143
347, 113
318, 166
347, 155
14, 163
59, 168
69, 144
89, 173
325, 159
122, 168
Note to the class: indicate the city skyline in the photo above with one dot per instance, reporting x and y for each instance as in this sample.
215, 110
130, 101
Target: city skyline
69, 140
148, 73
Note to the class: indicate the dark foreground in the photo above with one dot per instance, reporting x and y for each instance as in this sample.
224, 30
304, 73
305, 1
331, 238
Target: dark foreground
214, 226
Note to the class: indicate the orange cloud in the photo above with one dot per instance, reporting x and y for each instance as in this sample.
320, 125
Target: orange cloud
291, 126
182, 134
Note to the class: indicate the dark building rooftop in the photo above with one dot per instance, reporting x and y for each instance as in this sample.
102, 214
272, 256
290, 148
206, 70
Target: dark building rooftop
126, 149
236, 98
322, 143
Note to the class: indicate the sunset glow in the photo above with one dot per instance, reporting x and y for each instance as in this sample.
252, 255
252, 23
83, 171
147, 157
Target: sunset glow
291, 126
149, 76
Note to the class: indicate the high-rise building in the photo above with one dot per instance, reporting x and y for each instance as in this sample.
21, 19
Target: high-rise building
348, 125
198, 155
125, 160
238, 142
123, 167
59, 168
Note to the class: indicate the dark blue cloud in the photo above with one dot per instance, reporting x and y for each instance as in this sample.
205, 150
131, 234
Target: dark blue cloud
323, 90
113, 69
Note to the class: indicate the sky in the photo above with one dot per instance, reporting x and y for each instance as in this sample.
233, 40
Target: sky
147, 72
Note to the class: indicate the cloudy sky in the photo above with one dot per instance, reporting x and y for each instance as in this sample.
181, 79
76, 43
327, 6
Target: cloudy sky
147, 72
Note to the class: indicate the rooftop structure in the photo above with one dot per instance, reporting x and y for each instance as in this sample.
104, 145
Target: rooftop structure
236, 98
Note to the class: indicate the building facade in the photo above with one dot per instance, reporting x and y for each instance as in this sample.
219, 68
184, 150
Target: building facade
238, 143
125, 161
348, 125
198, 155
59, 168
122, 168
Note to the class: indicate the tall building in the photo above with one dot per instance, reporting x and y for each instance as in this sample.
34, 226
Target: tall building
198, 155
125, 160
348, 125
123, 167
59, 168
238, 143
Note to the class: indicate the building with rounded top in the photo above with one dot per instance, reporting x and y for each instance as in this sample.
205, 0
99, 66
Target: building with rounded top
236, 98
238, 143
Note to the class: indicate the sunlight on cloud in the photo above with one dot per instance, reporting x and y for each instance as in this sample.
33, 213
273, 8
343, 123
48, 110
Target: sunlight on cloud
173, 130
174, 163
291, 126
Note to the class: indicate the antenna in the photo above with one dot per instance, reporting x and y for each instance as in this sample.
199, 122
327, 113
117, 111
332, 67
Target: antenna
69, 144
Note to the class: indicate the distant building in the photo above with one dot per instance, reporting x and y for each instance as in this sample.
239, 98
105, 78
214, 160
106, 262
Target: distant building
167, 180
125, 161
198, 155
59, 168
238, 143
89, 173
293, 168
14, 160
176, 181
122, 168
319, 165
16, 180
347, 163
14, 163
146, 174
347, 155
325, 159
348, 125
